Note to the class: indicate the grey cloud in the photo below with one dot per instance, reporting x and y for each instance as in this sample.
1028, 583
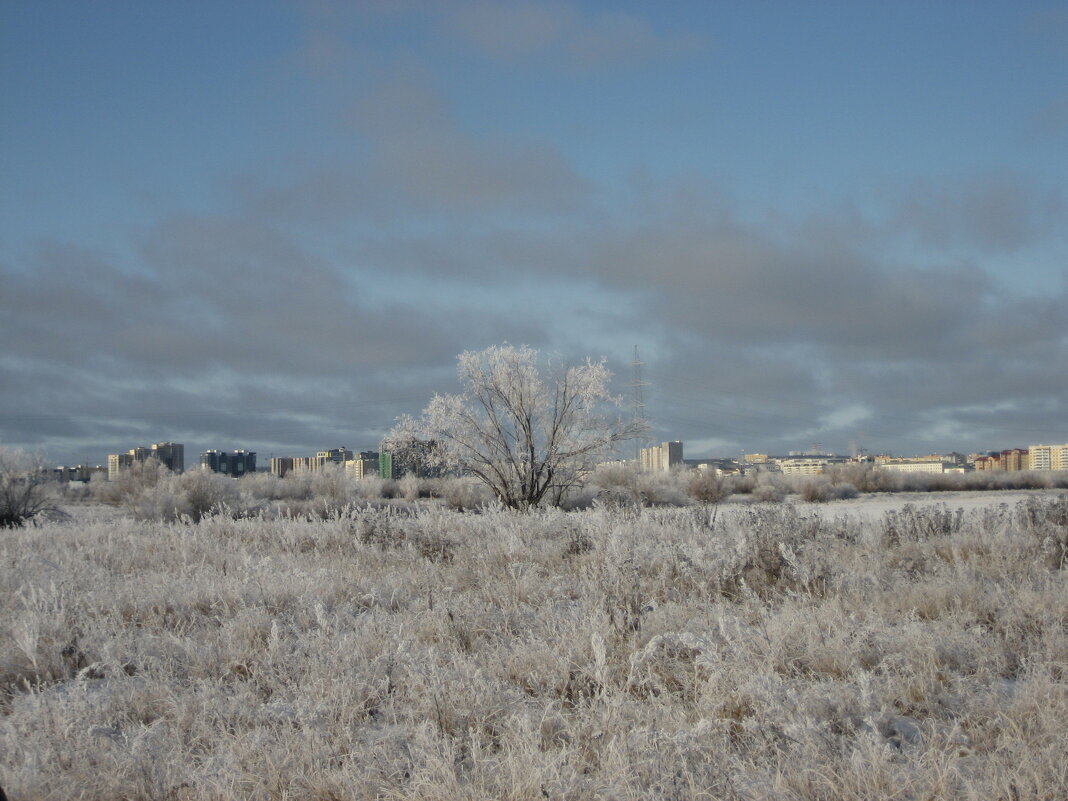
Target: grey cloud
768, 334
420, 156
225, 320
563, 34
336, 293
514, 29
996, 211
737, 284
80, 415
411, 159
728, 281
733, 284
1048, 26
819, 305
1052, 120
550, 34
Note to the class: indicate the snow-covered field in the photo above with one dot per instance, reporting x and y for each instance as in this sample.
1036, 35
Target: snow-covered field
873, 506
883, 647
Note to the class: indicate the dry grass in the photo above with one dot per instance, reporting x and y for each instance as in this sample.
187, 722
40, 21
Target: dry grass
613, 653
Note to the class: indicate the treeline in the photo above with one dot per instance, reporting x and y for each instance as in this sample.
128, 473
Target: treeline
152, 492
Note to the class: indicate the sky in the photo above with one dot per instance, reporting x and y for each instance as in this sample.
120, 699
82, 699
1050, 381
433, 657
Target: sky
274, 225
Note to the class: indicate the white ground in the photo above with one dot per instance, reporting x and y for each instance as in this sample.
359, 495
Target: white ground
872, 506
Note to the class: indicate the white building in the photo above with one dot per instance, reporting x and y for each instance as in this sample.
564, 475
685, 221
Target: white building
170, 454
911, 466
1048, 457
661, 457
803, 467
363, 466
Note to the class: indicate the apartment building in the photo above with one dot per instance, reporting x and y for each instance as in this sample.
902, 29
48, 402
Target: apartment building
117, 462
81, 472
363, 466
281, 465
1016, 459
1011, 460
230, 463
803, 467
913, 465
661, 457
169, 454
338, 455
1048, 457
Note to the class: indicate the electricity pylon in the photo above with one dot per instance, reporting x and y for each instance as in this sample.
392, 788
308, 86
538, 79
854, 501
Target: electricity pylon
638, 402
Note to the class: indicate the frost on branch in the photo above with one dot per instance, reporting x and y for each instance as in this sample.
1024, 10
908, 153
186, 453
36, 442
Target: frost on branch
527, 428
25, 488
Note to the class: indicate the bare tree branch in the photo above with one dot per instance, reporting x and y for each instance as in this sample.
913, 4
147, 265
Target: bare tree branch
25, 488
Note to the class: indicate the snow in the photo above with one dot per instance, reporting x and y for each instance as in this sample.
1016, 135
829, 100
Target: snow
873, 506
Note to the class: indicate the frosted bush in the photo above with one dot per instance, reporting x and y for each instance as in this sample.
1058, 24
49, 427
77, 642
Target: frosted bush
820, 489
130, 483
704, 486
25, 489
463, 494
408, 487
269, 487
742, 484
368, 488
332, 487
656, 488
195, 494
768, 488
617, 485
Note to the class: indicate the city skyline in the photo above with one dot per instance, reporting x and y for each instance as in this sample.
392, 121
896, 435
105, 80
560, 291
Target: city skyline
656, 456
274, 225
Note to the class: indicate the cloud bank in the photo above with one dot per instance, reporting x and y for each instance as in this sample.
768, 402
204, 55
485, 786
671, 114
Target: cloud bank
320, 298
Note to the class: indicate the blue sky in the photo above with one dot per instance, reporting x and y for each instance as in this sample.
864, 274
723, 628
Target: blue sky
273, 225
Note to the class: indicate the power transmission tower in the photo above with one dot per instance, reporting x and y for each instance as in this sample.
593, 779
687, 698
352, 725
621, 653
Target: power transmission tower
638, 401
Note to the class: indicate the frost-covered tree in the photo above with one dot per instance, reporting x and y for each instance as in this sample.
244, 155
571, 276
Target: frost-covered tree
526, 427
25, 488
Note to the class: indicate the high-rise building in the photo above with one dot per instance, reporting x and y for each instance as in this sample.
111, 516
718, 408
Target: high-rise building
1048, 457
124, 461
281, 465
233, 463
1015, 459
339, 455
313, 464
660, 457
385, 464
117, 462
363, 466
81, 472
213, 460
170, 454
242, 462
